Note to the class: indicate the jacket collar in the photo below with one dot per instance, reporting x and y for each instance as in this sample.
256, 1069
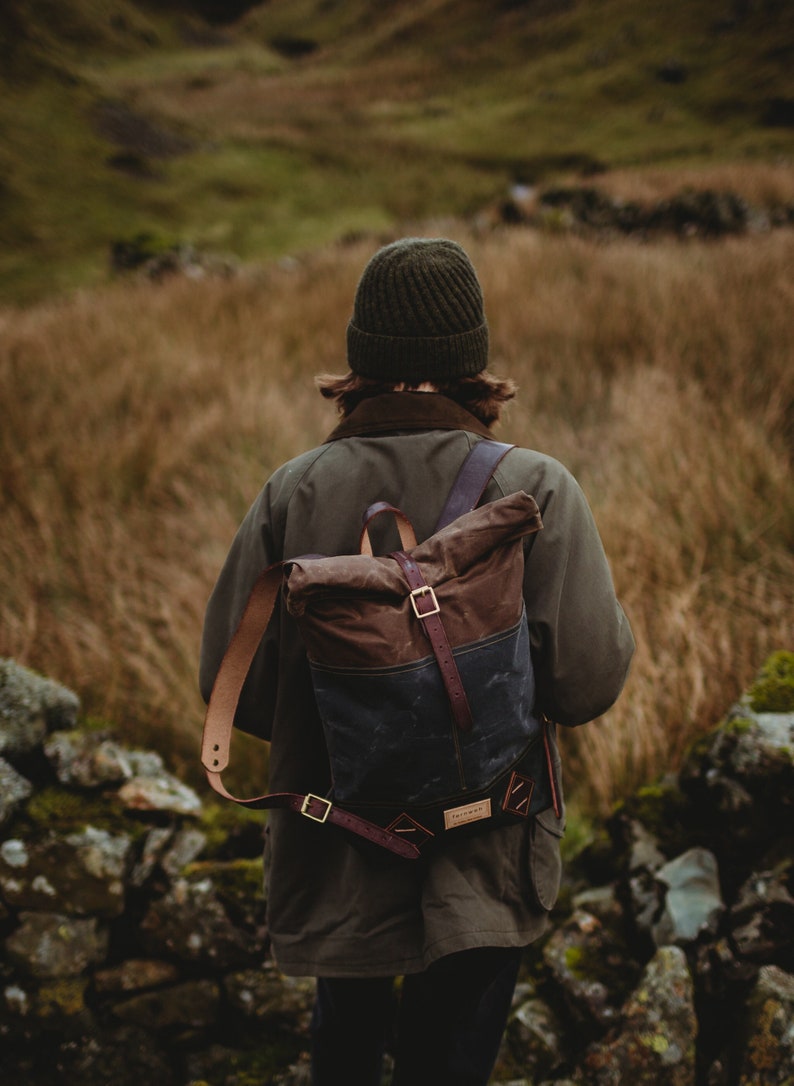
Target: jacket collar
394, 412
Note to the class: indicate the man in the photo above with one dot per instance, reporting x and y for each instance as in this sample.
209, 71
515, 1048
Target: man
452, 925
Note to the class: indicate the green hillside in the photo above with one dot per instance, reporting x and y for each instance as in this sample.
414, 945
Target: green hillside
305, 121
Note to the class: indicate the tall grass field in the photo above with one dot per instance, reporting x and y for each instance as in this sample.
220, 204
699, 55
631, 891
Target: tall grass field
139, 420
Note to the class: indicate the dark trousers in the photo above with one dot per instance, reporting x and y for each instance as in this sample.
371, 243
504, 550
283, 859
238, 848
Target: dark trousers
444, 1029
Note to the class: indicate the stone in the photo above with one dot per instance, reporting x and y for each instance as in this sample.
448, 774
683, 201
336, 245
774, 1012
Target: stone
154, 847
30, 706
186, 847
762, 918
535, 1038
765, 747
266, 995
87, 760
81, 874
135, 975
769, 1053
644, 851
127, 1055
653, 1043
160, 793
601, 902
189, 922
590, 968
693, 902
49, 945
191, 1005
14, 790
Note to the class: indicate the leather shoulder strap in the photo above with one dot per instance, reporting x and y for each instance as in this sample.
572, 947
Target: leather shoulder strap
472, 479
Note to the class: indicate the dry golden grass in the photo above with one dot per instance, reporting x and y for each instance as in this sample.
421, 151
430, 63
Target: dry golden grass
139, 421
761, 184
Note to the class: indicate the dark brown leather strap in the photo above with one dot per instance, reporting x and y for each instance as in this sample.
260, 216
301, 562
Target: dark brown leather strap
404, 527
472, 479
426, 609
322, 810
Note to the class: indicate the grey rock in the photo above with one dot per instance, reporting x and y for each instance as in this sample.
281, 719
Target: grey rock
134, 975
646, 896
186, 847
765, 747
762, 918
81, 874
654, 1042
191, 1005
159, 793
264, 994
120, 1056
589, 967
154, 848
769, 1053
191, 924
30, 706
644, 851
88, 760
601, 902
535, 1038
14, 790
53, 945
145, 763
693, 901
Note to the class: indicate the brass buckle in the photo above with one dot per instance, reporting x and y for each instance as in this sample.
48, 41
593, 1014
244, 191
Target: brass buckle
320, 799
425, 590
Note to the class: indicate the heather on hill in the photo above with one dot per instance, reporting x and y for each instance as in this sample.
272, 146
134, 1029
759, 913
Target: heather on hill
255, 130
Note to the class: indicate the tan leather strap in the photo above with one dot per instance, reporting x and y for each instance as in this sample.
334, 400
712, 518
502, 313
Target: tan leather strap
219, 722
219, 719
404, 527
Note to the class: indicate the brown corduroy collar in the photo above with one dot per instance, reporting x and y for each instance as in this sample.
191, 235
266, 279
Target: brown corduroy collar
393, 412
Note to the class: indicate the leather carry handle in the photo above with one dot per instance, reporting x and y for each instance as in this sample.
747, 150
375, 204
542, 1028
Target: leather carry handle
404, 527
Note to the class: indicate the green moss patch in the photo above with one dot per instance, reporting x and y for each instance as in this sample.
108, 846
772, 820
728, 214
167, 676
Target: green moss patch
773, 690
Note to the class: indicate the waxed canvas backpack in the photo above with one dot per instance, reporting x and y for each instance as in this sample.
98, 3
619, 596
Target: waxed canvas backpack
422, 674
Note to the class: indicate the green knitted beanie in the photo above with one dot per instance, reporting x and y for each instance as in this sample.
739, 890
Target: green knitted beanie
418, 314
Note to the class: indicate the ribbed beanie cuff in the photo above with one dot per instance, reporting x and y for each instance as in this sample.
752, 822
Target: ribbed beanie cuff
418, 314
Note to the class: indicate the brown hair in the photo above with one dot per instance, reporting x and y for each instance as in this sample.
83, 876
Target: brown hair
483, 395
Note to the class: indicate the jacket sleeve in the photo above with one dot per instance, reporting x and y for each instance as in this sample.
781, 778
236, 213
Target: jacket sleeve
581, 641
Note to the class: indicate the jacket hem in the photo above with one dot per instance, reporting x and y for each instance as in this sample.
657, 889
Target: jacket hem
343, 961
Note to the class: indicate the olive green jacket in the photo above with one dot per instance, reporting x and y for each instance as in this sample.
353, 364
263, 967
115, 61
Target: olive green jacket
332, 910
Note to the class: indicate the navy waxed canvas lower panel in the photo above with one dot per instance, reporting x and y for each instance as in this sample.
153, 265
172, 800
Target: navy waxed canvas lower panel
390, 733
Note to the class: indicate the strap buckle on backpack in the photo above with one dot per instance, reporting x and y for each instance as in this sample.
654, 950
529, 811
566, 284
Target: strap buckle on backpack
310, 797
420, 593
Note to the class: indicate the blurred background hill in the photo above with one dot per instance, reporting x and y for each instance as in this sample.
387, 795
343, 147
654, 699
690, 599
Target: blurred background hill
188, 194
252, 130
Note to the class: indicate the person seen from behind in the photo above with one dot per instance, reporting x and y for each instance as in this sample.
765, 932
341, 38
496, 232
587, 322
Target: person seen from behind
417, 958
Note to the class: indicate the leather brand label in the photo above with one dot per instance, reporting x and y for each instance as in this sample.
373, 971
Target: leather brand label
471, 812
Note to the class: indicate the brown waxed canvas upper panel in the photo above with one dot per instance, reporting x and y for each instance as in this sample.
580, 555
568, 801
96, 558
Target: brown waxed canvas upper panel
475, 566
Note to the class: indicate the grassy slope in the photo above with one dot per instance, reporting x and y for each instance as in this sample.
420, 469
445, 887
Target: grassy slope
403, 111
